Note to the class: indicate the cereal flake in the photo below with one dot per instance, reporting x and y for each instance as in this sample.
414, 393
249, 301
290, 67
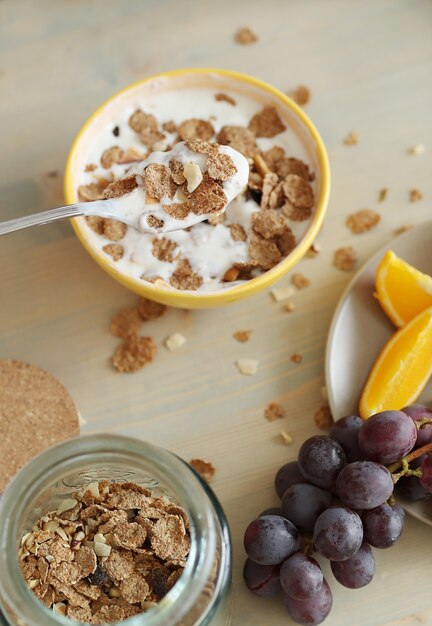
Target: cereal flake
204, 468
224, 97
158, 181
345, 259
134, 354
301, 95
363, 221
150, 310
114, 250
300, 281
126, 323
242, 335
323, 418
267, 123
195, 129
351, 139
245, 36
274, 411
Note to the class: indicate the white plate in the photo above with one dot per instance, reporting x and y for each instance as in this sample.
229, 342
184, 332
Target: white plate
360, 329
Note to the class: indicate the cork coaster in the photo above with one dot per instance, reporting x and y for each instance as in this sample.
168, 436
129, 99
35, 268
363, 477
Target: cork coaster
36, 412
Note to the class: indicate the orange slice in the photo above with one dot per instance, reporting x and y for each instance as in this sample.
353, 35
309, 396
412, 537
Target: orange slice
402, 369
402, 291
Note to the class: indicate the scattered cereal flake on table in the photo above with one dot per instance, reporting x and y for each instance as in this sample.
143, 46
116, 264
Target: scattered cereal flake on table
289, 307
224, 97
286, 438
204, 468
323, 418
174, 341
274, 411
363, 220
247, 367
314, 250
134, 354
418, 148
242, 335
345, 259
126, 323
281, 293
245, 36
351, 139
300, 281
415, 195
296, 358
150, 310
382, 194
301, 95
403, 229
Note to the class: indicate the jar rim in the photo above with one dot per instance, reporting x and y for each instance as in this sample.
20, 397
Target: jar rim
192, 495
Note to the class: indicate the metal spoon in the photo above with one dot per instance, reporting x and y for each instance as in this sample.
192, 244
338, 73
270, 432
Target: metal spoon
131, 208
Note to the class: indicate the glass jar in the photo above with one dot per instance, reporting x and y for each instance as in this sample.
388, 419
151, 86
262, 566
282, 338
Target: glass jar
201, 597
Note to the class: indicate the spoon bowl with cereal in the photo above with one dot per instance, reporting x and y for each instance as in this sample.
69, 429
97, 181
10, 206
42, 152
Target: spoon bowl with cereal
166, 192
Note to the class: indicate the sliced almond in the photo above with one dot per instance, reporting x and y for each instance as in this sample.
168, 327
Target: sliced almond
286, 438
247, 367
102, 549
261, 165
282, 293
174, 341
66, 505
193, 175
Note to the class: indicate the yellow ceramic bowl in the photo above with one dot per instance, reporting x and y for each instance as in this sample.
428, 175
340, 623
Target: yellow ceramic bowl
228, 80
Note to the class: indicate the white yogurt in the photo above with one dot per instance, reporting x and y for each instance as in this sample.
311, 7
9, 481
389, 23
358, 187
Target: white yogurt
210, 250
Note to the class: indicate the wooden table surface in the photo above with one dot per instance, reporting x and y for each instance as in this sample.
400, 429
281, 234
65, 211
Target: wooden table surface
369, 67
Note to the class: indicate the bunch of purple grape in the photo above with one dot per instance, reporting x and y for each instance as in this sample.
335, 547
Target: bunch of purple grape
337, 501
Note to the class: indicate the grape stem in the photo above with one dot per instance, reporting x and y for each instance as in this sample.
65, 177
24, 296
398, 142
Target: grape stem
308, 545
404, 462
422, 423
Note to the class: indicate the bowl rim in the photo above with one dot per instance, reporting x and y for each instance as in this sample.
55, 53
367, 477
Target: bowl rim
192, 298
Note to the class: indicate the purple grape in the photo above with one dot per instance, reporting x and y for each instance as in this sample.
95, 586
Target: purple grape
312, 611
388, 436
338, 534
419, 412
410, 487
364, 485
270, 539
357, 571
383, 525
426, 479
345, 431
301, 576
262, 580
320, 461
272, 510
288, 475
302, 504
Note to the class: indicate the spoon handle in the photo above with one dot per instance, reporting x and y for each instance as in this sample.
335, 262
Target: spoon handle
72, 210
